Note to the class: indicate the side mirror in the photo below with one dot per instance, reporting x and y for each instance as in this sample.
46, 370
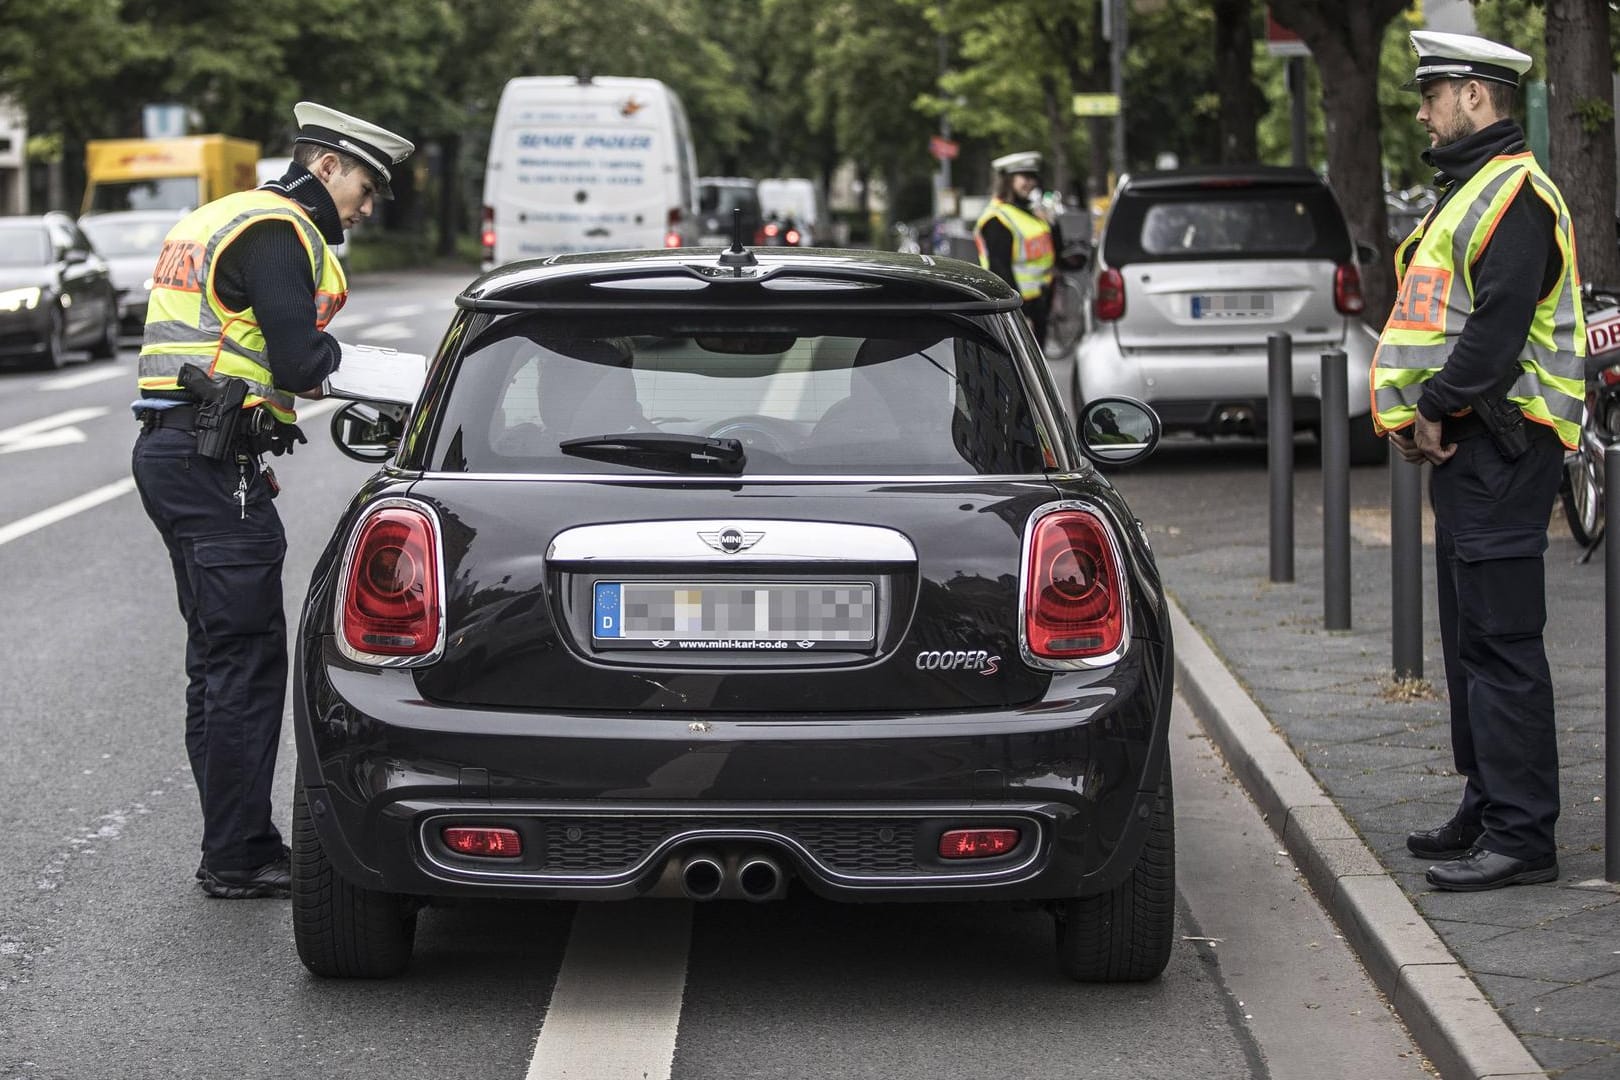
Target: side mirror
367, 431
1117, 430
1366, 254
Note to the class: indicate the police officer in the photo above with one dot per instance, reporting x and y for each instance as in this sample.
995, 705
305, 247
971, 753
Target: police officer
244, 287
1014, 242
1479, 371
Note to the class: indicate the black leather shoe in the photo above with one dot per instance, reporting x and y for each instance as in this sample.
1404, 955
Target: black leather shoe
1480, 870
1449, 841
273, 879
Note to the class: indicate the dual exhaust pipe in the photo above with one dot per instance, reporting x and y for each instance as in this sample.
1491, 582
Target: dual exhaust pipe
752, 875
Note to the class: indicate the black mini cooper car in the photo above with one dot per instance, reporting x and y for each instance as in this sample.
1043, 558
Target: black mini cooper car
711, 574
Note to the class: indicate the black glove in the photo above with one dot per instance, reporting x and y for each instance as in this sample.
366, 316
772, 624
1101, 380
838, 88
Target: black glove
282, 438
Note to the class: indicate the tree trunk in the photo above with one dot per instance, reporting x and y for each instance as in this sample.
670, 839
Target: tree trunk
1057, 130
1345, 40
449, 193
1234, 74
1099, 128
1580, 130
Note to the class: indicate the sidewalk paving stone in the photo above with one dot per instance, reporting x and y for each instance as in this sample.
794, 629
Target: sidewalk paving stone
1380, 752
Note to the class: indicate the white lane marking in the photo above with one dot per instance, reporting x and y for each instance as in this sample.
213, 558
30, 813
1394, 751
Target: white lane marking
84, 378
65, 436
388, 331
617, 1003
77, 504
404, 312
38, 433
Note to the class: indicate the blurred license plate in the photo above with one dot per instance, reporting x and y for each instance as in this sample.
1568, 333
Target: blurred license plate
744, 616
1234, 305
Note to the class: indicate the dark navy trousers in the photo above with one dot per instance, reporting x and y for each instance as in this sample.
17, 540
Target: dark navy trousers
1490, 532
227, 574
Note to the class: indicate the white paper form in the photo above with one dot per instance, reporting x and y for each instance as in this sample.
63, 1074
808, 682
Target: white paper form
377, 373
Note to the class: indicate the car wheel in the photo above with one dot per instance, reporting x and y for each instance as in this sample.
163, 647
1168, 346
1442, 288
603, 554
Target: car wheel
55, 342
1125, 934
1367, 447
343, 931
106, 346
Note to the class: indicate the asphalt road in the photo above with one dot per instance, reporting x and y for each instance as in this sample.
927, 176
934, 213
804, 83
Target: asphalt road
112, 963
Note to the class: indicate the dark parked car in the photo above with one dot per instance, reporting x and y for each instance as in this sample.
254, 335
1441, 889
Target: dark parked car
718, 197
701, 576
130, 241
55, 292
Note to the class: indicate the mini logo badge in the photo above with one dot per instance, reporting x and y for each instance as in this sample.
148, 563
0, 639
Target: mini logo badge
730, 540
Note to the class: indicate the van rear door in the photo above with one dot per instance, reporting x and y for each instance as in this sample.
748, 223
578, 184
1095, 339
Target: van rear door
581, 168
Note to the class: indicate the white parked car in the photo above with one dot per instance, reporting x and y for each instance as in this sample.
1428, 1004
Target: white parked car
1195, 269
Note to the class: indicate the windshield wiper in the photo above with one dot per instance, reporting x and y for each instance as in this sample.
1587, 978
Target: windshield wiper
724, 454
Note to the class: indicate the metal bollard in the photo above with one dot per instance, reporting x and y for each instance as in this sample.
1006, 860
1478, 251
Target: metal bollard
1335, 436
1406, 566
1280, 452
1611, 673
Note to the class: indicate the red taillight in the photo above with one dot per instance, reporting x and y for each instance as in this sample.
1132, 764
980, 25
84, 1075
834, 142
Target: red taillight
1347, 289
1109, 303
759, 237
976, 843
771, 228
1074, 602
672, 240
792, 238
391, 597
481, 840
672, 233
487, 231
1610, 375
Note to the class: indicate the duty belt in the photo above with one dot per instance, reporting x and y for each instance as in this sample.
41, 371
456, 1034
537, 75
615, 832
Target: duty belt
181, 417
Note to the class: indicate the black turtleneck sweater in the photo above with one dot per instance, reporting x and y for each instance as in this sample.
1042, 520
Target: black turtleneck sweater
1519, 265
267, 269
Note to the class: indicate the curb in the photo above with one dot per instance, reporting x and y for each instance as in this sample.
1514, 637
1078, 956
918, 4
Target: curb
1446, 1012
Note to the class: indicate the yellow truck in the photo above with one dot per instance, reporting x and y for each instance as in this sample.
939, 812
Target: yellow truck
166, 174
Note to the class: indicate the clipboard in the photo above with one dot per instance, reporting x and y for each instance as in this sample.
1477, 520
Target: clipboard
377, 373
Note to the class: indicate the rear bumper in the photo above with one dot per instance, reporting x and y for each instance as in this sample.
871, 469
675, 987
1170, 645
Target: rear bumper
1195, 389
853, 805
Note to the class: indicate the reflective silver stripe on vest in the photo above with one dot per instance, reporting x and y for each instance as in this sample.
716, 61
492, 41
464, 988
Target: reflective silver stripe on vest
1561, 406
174, 332
167, 366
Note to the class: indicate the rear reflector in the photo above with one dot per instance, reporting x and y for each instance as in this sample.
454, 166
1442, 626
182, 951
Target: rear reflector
482, 840
976, 843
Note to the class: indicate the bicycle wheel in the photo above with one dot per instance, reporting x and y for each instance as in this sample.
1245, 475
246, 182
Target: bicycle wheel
1582, 497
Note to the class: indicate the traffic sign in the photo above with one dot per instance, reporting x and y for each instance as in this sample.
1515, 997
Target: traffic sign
942, 148
1281, 41
1096, 105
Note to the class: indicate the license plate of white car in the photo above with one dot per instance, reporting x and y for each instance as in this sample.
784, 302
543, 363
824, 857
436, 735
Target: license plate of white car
744, 616
1231, 305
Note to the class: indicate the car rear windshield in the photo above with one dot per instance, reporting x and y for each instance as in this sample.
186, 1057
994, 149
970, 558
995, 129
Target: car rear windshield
724, 198
1257, 222
802, 395
24, 244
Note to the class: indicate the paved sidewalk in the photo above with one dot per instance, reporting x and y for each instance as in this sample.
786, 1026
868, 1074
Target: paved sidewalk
1280, 692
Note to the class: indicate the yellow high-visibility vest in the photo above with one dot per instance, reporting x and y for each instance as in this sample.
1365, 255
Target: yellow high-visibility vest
1032, 257
1434, 268
186, 322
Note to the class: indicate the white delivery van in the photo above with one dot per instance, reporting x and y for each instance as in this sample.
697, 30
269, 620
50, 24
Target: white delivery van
798, 198
587, 164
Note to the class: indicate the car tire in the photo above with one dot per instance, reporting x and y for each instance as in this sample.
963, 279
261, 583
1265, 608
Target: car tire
1367, 447
106, 346
343, 931
1125, 934
55, 355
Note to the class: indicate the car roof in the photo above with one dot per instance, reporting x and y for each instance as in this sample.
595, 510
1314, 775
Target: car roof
1215, 176
777, 279
729, 181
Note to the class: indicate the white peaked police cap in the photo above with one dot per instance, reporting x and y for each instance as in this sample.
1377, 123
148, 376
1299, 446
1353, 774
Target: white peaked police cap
1024, 161
1463, 56
374, 146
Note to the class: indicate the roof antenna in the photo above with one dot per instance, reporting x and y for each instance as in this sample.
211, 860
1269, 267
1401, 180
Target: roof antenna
736, 256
